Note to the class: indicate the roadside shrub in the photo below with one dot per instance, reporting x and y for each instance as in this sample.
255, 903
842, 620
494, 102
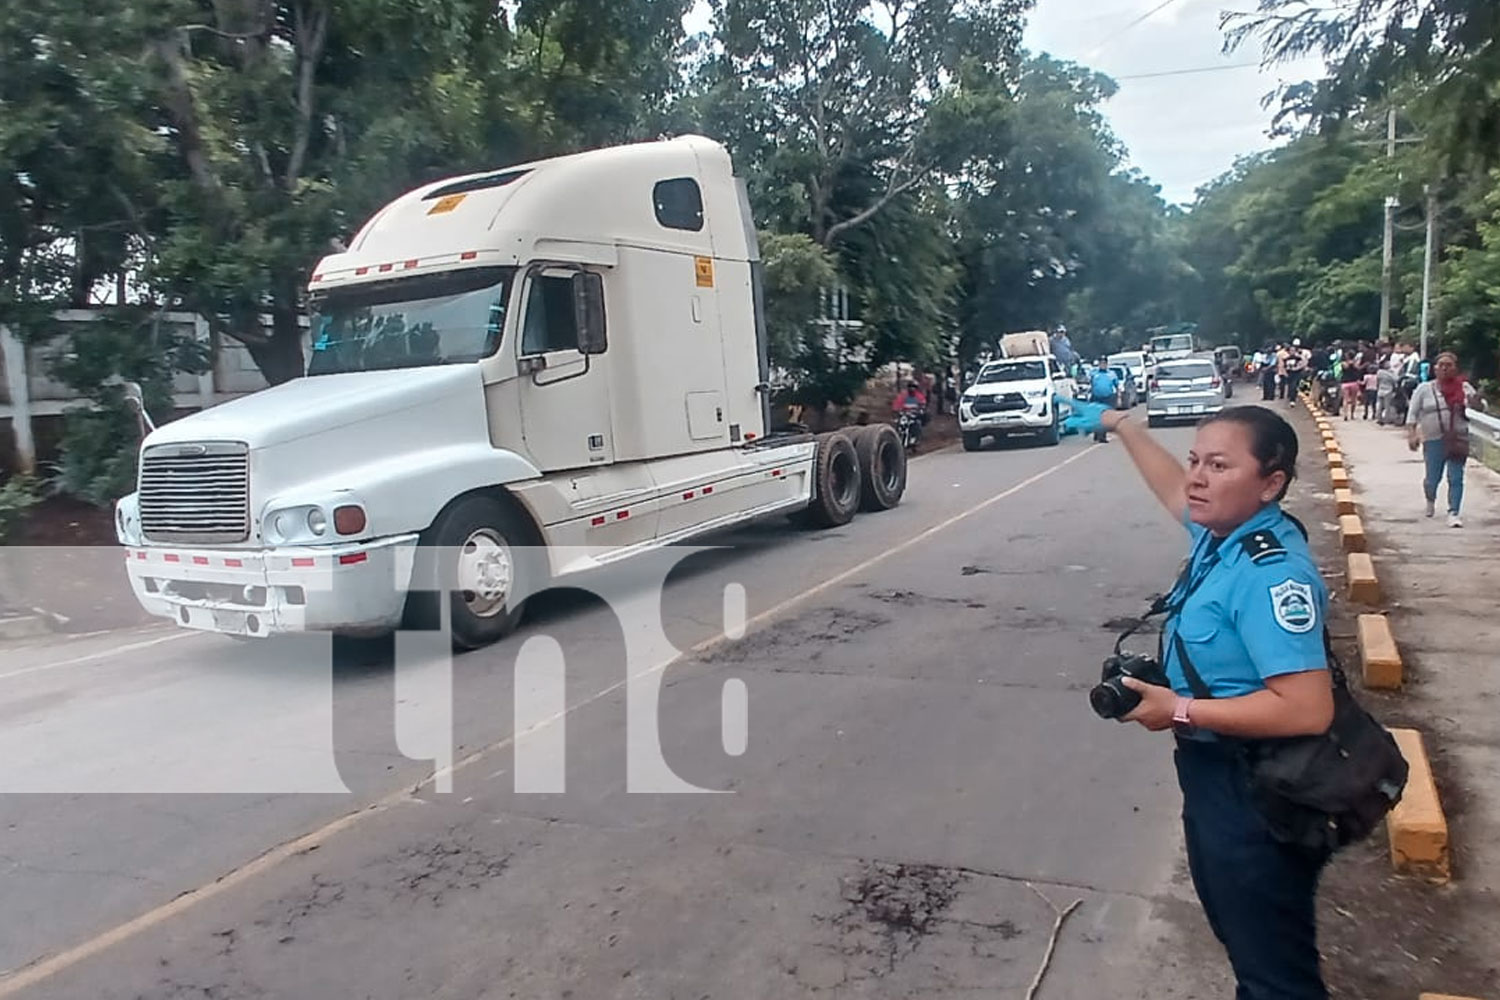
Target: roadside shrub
18, 495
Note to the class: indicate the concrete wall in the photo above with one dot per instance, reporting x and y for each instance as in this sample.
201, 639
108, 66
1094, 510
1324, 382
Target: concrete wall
32, 402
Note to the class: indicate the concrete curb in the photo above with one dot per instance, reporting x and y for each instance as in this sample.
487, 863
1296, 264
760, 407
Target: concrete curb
1442, 996
1352, 532
1417, 827
1418, 830
1378, 653
1364, 586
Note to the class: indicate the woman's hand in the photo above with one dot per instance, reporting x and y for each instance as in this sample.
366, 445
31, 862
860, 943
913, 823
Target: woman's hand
1156, 707
1412, 440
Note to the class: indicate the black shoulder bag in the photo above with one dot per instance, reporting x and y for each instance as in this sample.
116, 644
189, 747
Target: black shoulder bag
1319, 792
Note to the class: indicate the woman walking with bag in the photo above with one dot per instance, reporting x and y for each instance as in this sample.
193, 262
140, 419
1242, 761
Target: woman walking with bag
1438, 420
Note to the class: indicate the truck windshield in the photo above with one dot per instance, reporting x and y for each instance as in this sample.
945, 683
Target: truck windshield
443, 319
1024, 371
1179, 342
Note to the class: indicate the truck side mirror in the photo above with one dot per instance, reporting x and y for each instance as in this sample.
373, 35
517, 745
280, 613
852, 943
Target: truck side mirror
588, 313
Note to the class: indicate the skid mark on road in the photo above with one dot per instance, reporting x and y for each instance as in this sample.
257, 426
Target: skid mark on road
46, 968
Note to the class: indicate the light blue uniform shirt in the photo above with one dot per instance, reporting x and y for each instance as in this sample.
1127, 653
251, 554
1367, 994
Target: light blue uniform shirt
1257, 613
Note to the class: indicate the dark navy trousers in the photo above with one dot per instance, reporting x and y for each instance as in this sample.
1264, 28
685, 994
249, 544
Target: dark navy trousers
1259, 895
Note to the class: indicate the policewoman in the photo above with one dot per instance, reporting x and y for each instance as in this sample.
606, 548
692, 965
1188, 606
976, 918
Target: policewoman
1243, 648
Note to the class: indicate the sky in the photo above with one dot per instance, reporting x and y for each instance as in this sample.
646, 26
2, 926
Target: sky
1181, 130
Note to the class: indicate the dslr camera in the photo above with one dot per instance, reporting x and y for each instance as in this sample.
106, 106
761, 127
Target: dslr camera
1110, 698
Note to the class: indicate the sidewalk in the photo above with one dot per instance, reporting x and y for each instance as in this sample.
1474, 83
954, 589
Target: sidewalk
1441, 589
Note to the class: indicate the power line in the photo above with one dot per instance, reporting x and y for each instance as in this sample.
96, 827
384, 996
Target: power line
1185, 72
1140, 20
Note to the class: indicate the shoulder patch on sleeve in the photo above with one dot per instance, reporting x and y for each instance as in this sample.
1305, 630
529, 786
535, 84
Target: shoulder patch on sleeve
1294, 606
1263, 547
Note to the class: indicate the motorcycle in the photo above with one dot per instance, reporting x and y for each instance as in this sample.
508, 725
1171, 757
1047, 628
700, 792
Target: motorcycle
909, 428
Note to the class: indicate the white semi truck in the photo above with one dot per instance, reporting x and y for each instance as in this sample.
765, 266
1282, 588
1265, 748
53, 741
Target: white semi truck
515, 377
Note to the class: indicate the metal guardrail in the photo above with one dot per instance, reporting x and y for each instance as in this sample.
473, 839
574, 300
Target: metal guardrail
1484, 435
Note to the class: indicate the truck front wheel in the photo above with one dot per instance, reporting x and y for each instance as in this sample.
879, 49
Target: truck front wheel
479, 554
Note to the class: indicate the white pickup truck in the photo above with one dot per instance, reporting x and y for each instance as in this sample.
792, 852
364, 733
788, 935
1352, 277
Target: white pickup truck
516, 377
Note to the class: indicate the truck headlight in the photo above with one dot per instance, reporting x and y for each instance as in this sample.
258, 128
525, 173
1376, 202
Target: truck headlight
298, 525
128, 521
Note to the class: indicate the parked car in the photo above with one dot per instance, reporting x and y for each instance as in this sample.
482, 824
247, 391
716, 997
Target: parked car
1185, 388
1014, 396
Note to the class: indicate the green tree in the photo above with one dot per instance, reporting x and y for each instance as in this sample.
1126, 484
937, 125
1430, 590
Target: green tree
1450, 50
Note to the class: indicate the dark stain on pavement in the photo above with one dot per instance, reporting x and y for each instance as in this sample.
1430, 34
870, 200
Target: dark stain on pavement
910, 598
805, 637
890, 908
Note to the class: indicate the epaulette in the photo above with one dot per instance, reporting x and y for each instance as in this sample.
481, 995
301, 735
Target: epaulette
1263, 547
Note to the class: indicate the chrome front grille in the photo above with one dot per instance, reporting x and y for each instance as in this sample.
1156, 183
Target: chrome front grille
1001, 403
196, 494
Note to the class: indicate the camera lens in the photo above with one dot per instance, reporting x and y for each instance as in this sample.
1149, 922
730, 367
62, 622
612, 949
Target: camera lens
1105, 702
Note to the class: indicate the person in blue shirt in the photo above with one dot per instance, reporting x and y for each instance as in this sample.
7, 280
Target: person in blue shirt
1247, 615
1103, 388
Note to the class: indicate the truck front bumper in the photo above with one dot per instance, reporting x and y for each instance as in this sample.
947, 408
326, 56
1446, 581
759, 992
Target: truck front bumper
358, 587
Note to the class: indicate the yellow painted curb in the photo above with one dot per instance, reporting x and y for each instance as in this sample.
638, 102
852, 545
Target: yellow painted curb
1442, 996
1340, 479
1353, 531
1378, 653
1417, 827
1364, 586
1335, 460
1344, 500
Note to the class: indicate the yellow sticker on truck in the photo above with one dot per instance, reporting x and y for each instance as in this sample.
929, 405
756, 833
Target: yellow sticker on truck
445, 205
705, 268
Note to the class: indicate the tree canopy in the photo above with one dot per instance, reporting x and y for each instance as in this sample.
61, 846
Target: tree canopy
922, 184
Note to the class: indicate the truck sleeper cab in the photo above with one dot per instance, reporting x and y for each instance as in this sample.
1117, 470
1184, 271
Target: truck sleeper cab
515, 377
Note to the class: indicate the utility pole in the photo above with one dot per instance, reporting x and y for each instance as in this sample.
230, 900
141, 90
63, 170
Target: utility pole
1427, 264
1390, 237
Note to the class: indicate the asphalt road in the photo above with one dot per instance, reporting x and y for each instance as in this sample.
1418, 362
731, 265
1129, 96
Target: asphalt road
190, 816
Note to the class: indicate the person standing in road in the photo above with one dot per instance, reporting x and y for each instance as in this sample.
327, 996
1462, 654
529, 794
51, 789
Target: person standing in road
1385, 395
1104, 387
1351, 380
1247, 616
1438, 423
1296, 366
1268, 373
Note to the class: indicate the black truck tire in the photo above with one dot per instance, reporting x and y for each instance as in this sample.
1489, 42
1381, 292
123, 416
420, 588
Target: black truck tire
482, 556
882, 466
836, 481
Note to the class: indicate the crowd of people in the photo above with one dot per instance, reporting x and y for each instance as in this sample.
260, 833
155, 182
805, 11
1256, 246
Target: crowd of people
1357, 379
1388, 383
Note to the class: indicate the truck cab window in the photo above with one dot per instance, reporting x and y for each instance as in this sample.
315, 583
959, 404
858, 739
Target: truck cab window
550, 321
679, 204
442, 319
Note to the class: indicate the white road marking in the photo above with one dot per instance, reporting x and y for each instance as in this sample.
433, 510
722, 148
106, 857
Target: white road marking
100, 655
45, 968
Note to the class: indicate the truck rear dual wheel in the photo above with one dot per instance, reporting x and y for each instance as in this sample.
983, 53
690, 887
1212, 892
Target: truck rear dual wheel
882, 466
837, 483
479, 555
